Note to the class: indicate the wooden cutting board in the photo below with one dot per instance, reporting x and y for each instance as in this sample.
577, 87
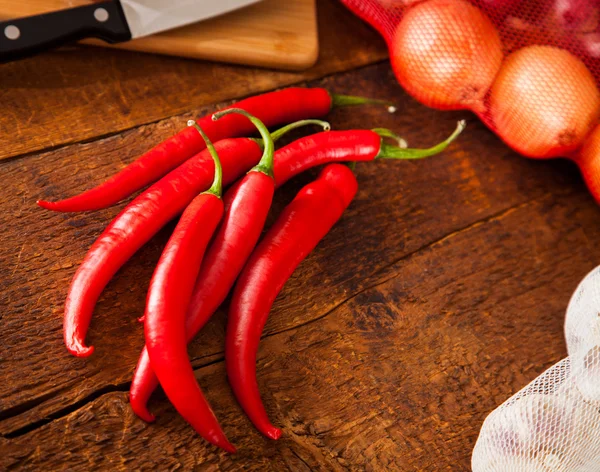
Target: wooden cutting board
280, 34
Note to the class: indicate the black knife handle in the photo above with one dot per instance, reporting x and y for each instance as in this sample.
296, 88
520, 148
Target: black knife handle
23, 37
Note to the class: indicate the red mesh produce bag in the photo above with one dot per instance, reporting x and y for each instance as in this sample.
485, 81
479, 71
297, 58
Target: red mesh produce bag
529, 69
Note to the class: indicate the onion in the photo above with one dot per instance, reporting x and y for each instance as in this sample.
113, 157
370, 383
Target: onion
446, 53
544, 101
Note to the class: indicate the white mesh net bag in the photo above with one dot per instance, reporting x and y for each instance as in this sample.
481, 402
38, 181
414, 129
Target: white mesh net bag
553, 424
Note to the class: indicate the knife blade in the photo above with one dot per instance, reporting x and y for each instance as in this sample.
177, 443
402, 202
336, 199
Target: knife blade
146, 17
112, 21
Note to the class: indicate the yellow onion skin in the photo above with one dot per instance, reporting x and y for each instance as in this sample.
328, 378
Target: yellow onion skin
446, 53
544, 102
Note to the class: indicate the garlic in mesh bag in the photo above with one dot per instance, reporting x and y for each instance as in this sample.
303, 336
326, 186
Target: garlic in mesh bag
553, 424
582, 332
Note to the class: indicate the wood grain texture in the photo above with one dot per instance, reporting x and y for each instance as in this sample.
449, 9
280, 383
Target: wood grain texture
271, 33
79, 93
440, 292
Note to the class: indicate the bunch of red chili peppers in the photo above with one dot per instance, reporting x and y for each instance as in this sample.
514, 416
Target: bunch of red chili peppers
216, 241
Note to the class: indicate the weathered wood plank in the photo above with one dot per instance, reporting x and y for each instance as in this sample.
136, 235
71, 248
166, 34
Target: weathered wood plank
76, 94
398, 377
402, 206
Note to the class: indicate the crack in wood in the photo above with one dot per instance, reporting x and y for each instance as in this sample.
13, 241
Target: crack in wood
26, 406
58, 414
31, 403
496, 216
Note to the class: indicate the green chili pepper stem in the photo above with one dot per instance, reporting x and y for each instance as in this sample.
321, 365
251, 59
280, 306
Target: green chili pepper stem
217, 186
297, 124
277, 134
350, 100
393, 152
386, 133
265, 165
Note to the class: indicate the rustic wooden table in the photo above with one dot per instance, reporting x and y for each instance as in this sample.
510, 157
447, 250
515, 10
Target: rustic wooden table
440, 292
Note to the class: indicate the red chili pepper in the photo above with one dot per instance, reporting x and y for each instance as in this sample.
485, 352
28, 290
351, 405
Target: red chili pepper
143, 218
273, 108
299, 228
341, 146
149, 212
168, 296
220, 270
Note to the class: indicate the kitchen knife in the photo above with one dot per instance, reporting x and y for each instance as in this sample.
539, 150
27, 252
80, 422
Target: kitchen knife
113, 21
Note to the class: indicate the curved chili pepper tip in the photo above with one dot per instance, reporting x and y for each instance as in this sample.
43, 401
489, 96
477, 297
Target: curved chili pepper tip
75, 347
226, 445
141, 410
272, 432
46, 204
